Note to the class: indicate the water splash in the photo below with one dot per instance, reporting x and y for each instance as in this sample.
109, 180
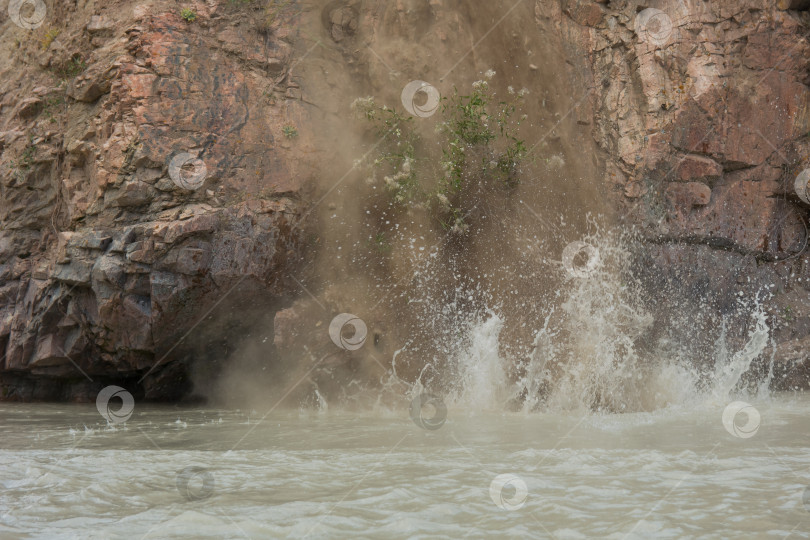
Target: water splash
481, 381
730, 369
591, 353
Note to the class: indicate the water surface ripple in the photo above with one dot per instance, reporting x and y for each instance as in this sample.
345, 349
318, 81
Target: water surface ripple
674, 473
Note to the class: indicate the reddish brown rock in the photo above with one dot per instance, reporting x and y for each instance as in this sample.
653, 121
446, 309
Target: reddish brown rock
584, 12
692, 168
686, 196
114, 266
105, 259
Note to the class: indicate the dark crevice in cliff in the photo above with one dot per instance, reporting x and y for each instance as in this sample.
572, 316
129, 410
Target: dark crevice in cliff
720, 244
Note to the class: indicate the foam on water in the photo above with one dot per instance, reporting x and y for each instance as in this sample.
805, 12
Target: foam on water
341, 475
587, 354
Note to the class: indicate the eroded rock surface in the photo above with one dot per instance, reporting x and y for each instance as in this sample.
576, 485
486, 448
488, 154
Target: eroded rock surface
701, 109
696, 117
107, 264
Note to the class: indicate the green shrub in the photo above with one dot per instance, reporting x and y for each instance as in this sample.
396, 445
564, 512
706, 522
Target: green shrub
477, 149
188, 14
75, 66
52, 106
25, 162
67, 69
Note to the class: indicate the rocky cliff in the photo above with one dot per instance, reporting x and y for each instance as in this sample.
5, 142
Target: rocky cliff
160, 163
702, 111
107, 263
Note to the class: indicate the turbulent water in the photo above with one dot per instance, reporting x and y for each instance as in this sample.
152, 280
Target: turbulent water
590, 436
674, 473
521, 378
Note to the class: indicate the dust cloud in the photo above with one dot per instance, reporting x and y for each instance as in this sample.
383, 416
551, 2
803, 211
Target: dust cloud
485, 313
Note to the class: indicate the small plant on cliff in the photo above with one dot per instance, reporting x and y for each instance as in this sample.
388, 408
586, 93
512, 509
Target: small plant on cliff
271, 97
379, 243
290, 132
67, 69
52, 106
48, 38
396, 149
76, 66
272, 12
25, 162
479, 150
474, 122
188, 15
27, 156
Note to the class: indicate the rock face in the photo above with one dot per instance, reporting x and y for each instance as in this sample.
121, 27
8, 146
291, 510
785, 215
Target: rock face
112, 272
702, 110
106, 264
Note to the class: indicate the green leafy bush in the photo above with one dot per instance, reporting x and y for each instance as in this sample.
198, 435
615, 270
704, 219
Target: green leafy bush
477, 148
